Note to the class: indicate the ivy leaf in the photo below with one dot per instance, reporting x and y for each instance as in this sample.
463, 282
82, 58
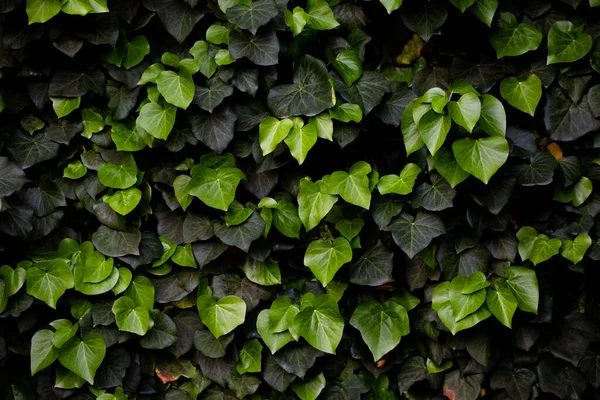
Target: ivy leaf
524, 286
436, 196
286, 219
313, 204
464, 305
253, 15
115, 243
83, 356
485, 10
274, 341
119, 176
40, 11
265, 273
321, 324
381, 325
447, 166
441, 303
178, 17
326, 257
567, 43
208, 98
574, 250
399, 184
29, 150
466, 111
462, 5
215, 130
124, 201
12, 178
348, 65
310, 93
433, 129
296, 20
320, 16
310, 390
241, 236
157, 120
301, 139
566, 120
64, 106
177, 88
522, 94
353, 186
493, 116
262, 49
425, 19
222, 316
481, 157
413, 234
48, 280
514, 39
367, 91
216, 188
502, 304
534, 247
43, 353
372, 267
250, 357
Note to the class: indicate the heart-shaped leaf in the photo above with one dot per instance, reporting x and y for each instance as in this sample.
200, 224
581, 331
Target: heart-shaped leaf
481, 157
321, 324
522, 94
514, 39
216, 188
466, 111
222, 316
567, 43
326, 257
83, 356
119, 176
534, 247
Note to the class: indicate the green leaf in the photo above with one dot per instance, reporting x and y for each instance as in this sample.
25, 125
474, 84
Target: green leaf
502, 304
413, 234
475, 283
130, 53
286, 219
48, 280
92, 122
14, 279
119, 176
264, 273
462, 5
524, 286
346, 112
216, 188
217, 34
433, 129
320, 16
83, 357
313, 204
296, 20
326, 257
250, 357
222, 316
129, 137
241, 236
485, 10
350, 229
115, 243
367, 91
301, 139
321, 324
574, 250
310, 390
176, 88
237, 214
466, 111
123, 201
184, 256
75, 170
151, 73
130, 316
274, 341
43, 353
399, 184
207, 63
481, 157
157, 120
381, 325
441, 303
353, 186
310, 94
141, 291
40, 11
534, 247
523, 94
514, 39
447, 166
348, 65
64, 106
493, 117
464, 305
253, 15
391, 5
567, 43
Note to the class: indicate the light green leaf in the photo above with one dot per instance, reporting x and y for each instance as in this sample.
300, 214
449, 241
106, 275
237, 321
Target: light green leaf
567, 43
216, 188
83, 357
485, 10
151, 73
502, 304
534, 247
348, 65
309, 390
184, 256
64, 106
75, 170
523, 94
128, 136
353, 186
323, 125
286, 219
313, 204
119, 176
301, 139
410, 133
14, 279
346, 112
464, 305
462, 5
326, 257
320, 15
399, 184
40, 11
182, 188
493, 117
131, 317
264, 273
199, 51
250, 357
441, 303
481, 157
466, 111
217, 34
222, 316
296, 20
48, 280
391, 5
514, 39
447, 166
321, 323
433, 129
92, 122
274, 341
176, 88
381, 325
574, 250
350, 229
524, 285
271, 132
141, 291
43, 353
475, 283
123, 201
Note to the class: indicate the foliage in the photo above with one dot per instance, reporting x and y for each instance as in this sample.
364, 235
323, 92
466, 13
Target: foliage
274, 199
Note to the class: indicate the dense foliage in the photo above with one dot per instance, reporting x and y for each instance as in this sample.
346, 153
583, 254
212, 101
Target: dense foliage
273, 199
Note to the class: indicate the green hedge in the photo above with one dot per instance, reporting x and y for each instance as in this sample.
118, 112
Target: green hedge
272, 199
